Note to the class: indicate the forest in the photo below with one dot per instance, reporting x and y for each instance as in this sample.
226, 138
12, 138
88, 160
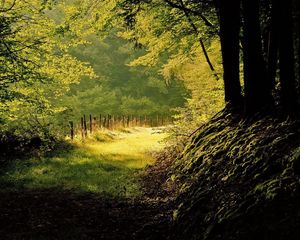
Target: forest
150, 119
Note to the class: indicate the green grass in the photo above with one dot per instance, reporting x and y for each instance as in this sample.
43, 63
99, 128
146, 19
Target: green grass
105, 163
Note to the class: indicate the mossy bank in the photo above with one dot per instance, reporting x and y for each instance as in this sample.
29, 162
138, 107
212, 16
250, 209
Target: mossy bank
239, 180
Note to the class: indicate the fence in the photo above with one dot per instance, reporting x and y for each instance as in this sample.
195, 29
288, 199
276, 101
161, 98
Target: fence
92, 123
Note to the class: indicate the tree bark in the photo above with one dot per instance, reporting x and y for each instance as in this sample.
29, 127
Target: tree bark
229, 16
273, 48
297, 38
286, 58
257, 90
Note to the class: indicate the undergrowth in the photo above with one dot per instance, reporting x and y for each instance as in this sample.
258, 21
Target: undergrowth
239, 180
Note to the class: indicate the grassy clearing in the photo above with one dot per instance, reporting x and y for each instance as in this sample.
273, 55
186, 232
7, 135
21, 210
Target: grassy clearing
105, 163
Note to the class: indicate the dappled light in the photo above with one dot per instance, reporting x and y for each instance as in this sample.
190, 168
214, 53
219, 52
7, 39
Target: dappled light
98, 167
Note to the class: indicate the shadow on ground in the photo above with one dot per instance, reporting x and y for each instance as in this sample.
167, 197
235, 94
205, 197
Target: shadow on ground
90, 191
54, 214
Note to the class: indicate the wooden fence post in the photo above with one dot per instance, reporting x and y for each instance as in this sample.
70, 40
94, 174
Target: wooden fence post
94, 123
104, 122
128, 120
72, 130
91, 124
82, 128
84, 125
108, 121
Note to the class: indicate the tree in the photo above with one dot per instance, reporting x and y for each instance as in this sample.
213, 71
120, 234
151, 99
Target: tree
297, 27
229, 17
297, 30
35, 66
286, 56
257, 89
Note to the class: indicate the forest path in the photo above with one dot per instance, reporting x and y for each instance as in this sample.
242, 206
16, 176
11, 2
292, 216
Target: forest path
89, 192
105, 163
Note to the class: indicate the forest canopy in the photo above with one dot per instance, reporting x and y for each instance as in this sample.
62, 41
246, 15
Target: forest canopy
62, 59
259, 43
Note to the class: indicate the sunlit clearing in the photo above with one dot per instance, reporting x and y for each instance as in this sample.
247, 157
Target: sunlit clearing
106, 167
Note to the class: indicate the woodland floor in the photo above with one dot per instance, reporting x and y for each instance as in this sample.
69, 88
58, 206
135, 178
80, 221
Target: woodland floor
235, 180
34, 207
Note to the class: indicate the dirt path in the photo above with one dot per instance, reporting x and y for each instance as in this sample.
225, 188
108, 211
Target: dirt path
62, 215
31, 211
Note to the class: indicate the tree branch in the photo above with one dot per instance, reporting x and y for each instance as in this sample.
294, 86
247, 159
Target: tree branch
10, 8
200, 39
185, 9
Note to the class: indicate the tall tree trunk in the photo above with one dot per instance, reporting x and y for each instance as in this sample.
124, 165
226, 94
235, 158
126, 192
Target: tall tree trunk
297, 39
298, 33
229, 16
257, 89
286, 58
273, 47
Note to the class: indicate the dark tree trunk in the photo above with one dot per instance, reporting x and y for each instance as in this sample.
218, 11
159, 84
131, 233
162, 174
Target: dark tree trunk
229, 16
286, 58
273, 48
297, 38
298, 24
257, 89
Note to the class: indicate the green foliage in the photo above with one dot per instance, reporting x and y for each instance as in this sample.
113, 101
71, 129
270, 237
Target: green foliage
172, 46
119, 89
206, 93
48, 80
55, 67
35, 68
49, 52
